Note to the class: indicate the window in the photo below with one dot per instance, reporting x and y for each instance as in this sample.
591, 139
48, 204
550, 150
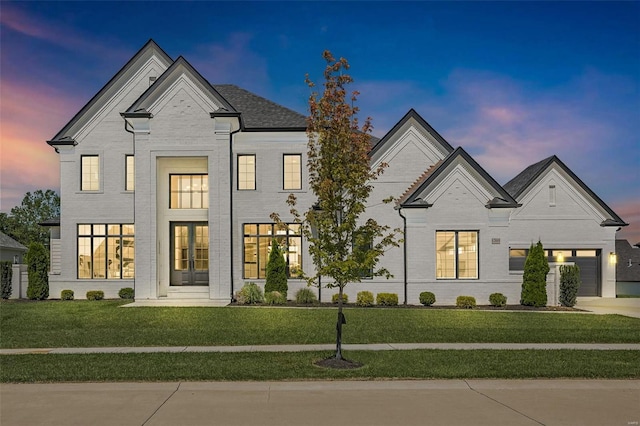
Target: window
106, 251
292, 171
130, 173
258, 238
189, 191
246, 172
90, 173
457, 254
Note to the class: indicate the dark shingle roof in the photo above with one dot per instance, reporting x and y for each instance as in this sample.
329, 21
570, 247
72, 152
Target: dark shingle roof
627, 253
518, 184
9, 243
260, 113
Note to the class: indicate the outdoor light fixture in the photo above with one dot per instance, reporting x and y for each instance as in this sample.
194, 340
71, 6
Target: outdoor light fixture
560, 257
613, 258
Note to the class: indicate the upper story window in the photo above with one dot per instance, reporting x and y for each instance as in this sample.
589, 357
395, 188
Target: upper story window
90, 173
130, 173
246, 172
189, 191
456, 254
292, 171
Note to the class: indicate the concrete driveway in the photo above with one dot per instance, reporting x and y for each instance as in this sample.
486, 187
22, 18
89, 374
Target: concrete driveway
420, 402
629, 307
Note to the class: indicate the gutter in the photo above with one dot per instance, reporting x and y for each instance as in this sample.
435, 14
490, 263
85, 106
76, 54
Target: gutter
404, 251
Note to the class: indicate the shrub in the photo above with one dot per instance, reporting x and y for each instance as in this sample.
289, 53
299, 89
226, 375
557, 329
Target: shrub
569, 284
126, 293
66, 295
534, 280
95, 295
249, 294
276, 279
334, 298
497, 299
6, 273
364, 298
38, 268
306, 296
275, 298
387, 299
427, 298
466, 302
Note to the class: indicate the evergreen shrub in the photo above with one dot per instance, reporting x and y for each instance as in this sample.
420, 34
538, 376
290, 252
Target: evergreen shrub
38, 269
569, 284
364, 298
275, 298
466, 302
276, 278
6, 273
250, 294
66, 295
334, 298
498, 300
306, 296
126, 293
387, 299
427, 298
534, 279
95, 295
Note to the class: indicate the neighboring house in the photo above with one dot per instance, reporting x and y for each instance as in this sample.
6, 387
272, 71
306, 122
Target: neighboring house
168, 184
10, 249
628, 268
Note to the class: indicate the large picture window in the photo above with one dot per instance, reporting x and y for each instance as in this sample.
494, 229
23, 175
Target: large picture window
90, 173
257, 241
457, 254
292, 171
189, 191
246, 172
106, 251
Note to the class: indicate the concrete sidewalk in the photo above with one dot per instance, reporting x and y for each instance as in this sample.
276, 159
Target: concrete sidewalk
329, 347
420, 402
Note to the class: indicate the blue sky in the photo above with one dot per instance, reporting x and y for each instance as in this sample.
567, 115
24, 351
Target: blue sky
511, 82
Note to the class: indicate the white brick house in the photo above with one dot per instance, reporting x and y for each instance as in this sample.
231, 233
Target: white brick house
168, 182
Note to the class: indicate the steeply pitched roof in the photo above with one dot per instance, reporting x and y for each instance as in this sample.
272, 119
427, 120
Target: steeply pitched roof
63, 137
412, 114
528, 177
7, 242
259, 113
410, 198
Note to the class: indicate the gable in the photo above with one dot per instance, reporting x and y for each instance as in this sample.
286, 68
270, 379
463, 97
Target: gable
116, 95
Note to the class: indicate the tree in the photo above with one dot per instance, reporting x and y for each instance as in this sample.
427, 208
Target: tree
340, 176
23, 222
37, 267
534, 280
276, 270
569, 284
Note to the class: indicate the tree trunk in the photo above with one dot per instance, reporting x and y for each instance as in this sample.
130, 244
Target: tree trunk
341, 320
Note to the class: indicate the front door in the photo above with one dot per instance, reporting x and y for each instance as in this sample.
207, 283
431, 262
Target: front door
189, 253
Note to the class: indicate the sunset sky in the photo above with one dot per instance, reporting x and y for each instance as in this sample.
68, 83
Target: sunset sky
511, 82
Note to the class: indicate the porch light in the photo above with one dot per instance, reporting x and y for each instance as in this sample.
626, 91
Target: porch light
560, 257
613, 258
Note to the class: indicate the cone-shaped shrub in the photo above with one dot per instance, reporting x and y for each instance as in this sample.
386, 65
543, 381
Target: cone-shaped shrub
534, 280
38, 268
569, 284
276, 271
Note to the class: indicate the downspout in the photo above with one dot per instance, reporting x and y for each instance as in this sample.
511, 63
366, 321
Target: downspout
231, 203
404, 251
126, 129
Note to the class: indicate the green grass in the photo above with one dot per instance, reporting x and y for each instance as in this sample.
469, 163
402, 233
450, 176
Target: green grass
105, 323
415, 364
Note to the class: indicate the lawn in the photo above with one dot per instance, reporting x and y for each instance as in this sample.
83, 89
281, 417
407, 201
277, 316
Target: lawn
105, 323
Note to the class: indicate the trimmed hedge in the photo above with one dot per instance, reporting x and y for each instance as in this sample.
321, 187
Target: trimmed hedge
66, 295
306, 296
6, 273
387, 299
534, 279
38, 268
466, 302
334, 298
364, 299
498, 300
427, 298
126, 293
95, 295
569, 284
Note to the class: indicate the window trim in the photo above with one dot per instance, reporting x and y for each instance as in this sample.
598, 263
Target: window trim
457, 257
126, 173
289, 234
92, 236
284, 171
238, 172
204, 194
